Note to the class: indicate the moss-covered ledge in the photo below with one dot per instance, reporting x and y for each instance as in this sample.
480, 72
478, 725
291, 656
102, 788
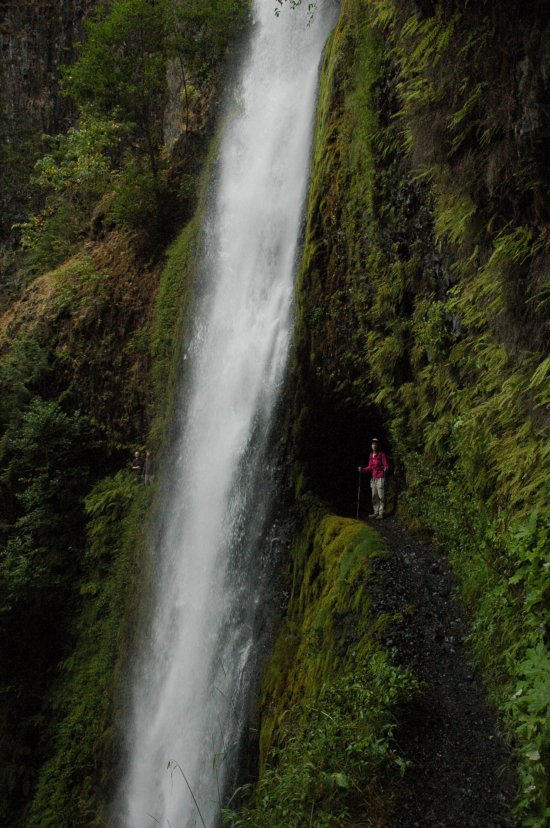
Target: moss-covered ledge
328, 692
327, 622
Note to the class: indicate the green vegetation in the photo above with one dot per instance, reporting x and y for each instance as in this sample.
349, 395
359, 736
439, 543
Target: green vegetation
416, 247
20, 148
71, 789
335, 759
71, 540
74, 175
112, 168
122, 70
50, 454
86, 366
171, 318
327, 703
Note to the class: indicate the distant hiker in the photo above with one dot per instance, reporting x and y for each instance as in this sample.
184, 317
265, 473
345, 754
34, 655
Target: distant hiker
378, 466
149, 469
137, 466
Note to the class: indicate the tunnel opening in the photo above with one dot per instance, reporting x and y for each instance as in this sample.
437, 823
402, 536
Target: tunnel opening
334, 441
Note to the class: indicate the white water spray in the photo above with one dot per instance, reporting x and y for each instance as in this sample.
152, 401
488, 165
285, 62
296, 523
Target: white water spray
191, 694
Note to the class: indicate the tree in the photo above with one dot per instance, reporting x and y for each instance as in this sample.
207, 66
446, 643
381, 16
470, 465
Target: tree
121, 70
119, 86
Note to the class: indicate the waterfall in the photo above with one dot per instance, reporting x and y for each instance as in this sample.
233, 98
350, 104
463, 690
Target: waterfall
191, 693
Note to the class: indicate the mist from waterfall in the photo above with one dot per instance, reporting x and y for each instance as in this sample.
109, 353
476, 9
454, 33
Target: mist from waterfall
191, 693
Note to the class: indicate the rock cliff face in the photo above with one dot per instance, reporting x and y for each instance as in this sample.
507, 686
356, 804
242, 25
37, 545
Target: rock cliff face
423, 308
37, 37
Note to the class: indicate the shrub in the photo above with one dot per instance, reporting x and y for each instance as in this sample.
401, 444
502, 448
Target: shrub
333, 756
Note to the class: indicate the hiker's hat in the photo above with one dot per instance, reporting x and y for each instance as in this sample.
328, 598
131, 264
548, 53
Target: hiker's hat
375, 440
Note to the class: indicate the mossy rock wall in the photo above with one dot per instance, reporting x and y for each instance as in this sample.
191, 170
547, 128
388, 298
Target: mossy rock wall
422, 313
327, 623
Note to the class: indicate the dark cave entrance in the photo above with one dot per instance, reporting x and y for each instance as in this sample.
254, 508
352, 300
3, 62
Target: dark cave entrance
334, 442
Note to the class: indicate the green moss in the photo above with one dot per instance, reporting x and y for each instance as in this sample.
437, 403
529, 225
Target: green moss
77, 282
172, 301
171, 312
422, 305
328, 602
341, 198
69, 791
328, 691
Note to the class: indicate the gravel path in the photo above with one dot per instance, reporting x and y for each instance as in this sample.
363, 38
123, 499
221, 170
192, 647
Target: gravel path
461, 775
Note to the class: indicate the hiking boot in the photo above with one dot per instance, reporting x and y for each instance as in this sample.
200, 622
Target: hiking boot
373, 514
379, 517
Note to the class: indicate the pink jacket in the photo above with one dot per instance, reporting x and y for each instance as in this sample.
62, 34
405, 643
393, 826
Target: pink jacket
378, 464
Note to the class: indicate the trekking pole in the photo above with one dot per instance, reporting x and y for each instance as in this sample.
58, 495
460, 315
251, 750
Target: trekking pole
358, 494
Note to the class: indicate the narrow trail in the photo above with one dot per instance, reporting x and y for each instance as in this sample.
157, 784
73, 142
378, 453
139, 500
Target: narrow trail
461, 772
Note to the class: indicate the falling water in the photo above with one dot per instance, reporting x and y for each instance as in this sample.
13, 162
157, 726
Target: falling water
191, 694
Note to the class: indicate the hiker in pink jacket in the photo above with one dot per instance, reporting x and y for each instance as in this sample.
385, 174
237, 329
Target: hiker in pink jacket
378, 466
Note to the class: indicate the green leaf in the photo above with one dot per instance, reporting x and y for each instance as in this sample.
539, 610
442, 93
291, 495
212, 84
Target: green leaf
341, 780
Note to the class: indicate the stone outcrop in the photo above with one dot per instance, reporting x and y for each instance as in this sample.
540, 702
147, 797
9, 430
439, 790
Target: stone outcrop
37, 37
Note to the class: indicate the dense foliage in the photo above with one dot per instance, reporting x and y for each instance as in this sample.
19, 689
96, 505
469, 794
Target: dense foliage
77, 395
77, 780
49, 453
329, 695
336, 756
140, 61
423, 299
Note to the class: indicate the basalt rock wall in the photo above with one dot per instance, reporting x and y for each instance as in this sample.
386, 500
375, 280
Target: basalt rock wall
37, 37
